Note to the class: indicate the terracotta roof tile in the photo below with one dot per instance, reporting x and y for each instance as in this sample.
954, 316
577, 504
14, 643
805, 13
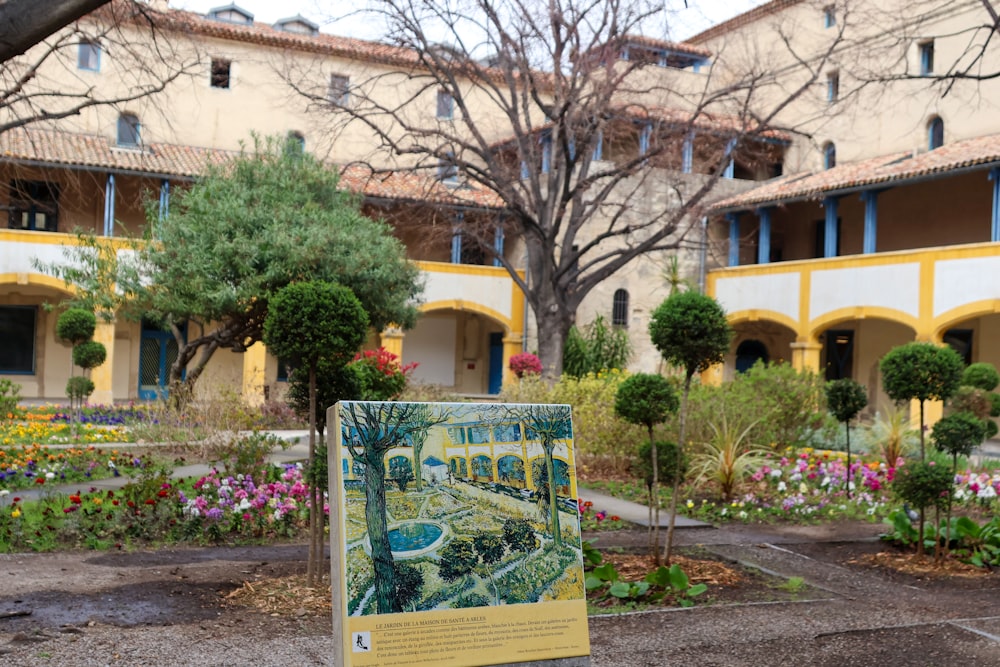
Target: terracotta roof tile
895, 168
70, 149
704, 120
88, 151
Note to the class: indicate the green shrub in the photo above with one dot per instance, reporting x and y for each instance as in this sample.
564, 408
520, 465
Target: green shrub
89, 354
10, 394
982, 376
78, 388
76, 325
596, 347
599, 436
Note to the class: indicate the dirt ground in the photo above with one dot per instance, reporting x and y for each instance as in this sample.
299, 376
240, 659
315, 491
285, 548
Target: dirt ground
175, 607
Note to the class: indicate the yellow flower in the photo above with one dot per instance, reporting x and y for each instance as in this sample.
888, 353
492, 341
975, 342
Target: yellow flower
690, 504
98, 501
16, 513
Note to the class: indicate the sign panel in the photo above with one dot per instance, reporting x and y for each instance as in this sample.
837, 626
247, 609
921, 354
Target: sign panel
455, 534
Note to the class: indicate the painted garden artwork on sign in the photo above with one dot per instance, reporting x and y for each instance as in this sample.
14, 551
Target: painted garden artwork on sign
455, 533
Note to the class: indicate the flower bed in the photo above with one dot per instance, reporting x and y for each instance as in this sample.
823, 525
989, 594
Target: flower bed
26, 466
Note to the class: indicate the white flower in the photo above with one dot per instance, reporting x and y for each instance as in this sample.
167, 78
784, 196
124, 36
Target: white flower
782, 487
111, 464
825, 482
775, 472
987, 492
50, 475
742, 514
4, 492
244, 504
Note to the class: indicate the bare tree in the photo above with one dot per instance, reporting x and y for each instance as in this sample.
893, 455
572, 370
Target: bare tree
52, 80
582, 148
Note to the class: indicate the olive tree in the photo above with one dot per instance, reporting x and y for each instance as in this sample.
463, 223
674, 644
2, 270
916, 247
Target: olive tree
691, 331
647, 399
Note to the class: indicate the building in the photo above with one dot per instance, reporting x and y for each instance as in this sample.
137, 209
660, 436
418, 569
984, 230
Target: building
95, 169
883, 228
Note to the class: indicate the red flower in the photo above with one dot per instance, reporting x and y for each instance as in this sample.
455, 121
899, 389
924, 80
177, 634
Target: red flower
150, 501
75, 500
162, 493
71, 508
39, 480
115, 502
130, 504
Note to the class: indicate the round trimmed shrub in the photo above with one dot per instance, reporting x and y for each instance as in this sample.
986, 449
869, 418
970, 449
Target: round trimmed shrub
89, 354
982, 376
76, 325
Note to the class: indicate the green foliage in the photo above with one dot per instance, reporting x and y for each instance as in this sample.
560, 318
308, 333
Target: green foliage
76, 325
845, 398
401, 472
923, 484
646, 399
994, 405
792, 400
958, 434
677, 582
10, 394
489, 546
690, 330
408, 582
921, 371
597, 432
312, 320
654, 587
334, 382
667, 460
89, 354
729, 456
972, 400
891, 434
518, 535
597, 347
380, 375
78, 388
458, 558
247, 454
981, 375
978, 544
902, 529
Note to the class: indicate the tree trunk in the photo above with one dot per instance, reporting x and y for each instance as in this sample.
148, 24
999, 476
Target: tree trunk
677, 471
922, 459
847, 425
655, 499
378, 534
553, 496
553, 325
312, 564
418, 446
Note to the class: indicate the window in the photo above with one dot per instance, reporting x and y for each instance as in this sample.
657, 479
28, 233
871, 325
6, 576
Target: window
926, 53
829, 155
619, 308
34, 205
447, 170
129, 130
340, 87
832, 87
221, 69
445, 105
17, 331
829, 17
546, 142
88, 56
935, 133
295, 143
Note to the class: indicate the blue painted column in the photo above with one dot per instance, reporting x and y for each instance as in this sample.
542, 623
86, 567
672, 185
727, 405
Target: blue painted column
687, 153
870, 198
734, 238
164, 199
995, 222
109, 206
456, 239
830, 231
730, 170
498, 244
764, 236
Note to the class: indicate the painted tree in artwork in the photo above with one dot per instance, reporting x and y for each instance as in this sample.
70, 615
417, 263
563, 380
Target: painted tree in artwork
370, 431
548, 424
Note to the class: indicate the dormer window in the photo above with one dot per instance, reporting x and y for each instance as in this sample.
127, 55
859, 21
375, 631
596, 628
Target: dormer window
231, 14
298, 25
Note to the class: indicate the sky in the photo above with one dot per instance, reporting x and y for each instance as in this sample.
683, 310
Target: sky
332, 18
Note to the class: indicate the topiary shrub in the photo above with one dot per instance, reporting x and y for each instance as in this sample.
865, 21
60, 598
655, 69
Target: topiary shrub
76, 325
525, 363
79, 389
89, 354
981, 375
923, 484
10, 394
